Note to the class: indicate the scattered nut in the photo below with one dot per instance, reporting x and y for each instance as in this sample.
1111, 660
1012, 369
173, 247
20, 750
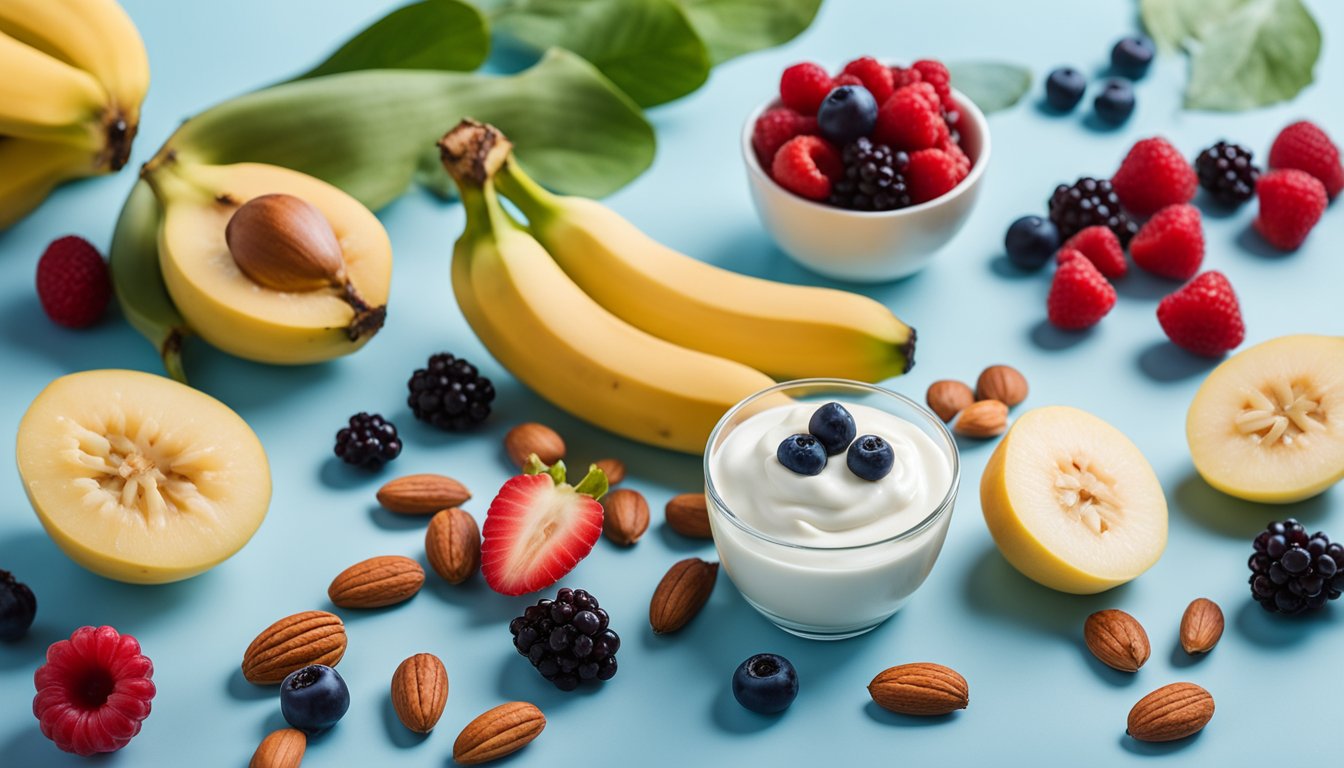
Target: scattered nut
947, 398
1171, 712
420, 692
982, 419
614, 469
922, 689
1201, 626
422, 494
280, 749
292, 643
377, 582
1117, 640
625, 516
688, 514
1003, 383
453, 545
681, 594
498, 732
529, 438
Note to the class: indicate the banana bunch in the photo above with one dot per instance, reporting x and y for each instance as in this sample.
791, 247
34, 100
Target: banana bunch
627, 334
73, 74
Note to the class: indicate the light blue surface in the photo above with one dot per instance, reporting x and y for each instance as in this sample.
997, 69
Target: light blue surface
1037, 697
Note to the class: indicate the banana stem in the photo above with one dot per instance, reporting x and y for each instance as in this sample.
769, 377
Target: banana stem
171, 352
534, 200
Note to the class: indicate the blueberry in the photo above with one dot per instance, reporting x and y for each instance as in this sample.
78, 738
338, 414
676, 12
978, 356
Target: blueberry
765, 683
802, 454
1031, 241
833, 426
1115, 103
1064, 88
1131, 56
18, 607
847, 113
870, 457
314, 698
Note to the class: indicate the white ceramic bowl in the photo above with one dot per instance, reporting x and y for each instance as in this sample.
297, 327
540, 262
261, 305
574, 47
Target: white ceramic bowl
866, 246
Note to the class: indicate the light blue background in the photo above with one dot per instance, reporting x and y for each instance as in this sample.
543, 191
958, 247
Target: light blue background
1037, 697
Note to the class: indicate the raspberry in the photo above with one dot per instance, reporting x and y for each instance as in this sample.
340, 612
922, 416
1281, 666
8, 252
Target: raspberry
1101, 247
911, 119
73, 283
1291, 202
1079, 296
1306, 147
806, 166
94, 691
846, 79
777, 126
1171, 244
931, 173
963, 161
935, 74
803, 86
903, 76
1203, 317
873, 76
1153, 176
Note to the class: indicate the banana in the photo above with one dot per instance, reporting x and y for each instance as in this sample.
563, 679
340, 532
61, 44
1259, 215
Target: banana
31, 169
44, 98
564, 346
788, 331
144, 299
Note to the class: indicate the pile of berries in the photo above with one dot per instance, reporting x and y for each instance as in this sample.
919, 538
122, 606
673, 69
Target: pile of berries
368, 441
1130, 59
567, 639
872, 138
1292, 572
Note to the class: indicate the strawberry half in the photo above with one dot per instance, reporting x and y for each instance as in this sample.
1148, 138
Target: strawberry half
539, 527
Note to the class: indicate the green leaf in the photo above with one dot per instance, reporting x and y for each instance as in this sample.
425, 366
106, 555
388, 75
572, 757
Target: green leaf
594, 483
646, 47
1174, 23
1262, 54
731, 28
429, 34
992, 85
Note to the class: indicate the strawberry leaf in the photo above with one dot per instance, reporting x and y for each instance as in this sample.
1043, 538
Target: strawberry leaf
594, 483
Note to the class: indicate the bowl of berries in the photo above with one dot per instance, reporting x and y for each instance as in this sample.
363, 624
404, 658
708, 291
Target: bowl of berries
865, 175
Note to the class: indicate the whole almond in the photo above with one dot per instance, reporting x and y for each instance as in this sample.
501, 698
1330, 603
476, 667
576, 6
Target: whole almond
294, 642
923, 689
688, 514
1201, 626
498, 732
453, 545
529, 438
614, 469
1171, 712
947, 398
422, 494
377, 582
420, 692
625, 516
1117, 640
681, 594
1003, 383
982, 419
280, 749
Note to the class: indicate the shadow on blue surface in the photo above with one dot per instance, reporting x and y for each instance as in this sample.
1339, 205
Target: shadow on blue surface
1212, 209
1047, 336
239, 689
1104, 673
682, 544
472, 598
1273, 630
1181, 660
1239, 519
1155, 748
995, 589
400, 736
887, 717
1002, 266
392, 521
1251, 242
1143, 285
1163, 361
732, 717
339, 476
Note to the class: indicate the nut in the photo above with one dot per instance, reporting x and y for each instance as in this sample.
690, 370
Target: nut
1003, 383
1171, 712
529, 438
947, 398
681, 594
453, 545
420, 691
1117, 640
377, 582
422, 494
1201, 626
625, 516
923, 689
498, 732
688, 514
982, 419
285, 243
280, 749
614, 469
294, 642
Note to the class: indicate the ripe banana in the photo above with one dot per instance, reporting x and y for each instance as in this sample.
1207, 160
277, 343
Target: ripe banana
30, 169
44, 98
134, 262
562, 344
788, 331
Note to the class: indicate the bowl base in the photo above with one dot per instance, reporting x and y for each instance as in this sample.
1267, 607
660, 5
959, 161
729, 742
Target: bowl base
809, 632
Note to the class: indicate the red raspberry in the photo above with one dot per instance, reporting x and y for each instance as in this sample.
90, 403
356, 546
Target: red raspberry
911, 119
1101, 247
802, 87
1153, 176
935, 74
931, 173
1203, 317
963, 161
903, 76
1306, 147
1291, 202
73, 283
875, 77
777, 126
806, 166
1171, 244
1079, 296
94, 691
846, 79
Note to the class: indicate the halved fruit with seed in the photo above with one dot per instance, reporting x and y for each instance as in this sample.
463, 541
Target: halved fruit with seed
139, 478
1072, 503
1268, 423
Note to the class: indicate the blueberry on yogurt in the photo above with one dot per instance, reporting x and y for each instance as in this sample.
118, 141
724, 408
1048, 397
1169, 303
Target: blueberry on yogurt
834, 427
802, 454
871, 458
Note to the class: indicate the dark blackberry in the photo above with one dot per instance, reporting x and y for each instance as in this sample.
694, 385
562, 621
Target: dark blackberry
874, 179
370, 441
567, 639
1227, 173
18, 607
1292, 572
1086, 203
449, 393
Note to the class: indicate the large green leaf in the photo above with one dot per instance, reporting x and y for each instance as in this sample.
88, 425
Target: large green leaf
1262, 54
992, 85
1173, 23
731, 28
428, 34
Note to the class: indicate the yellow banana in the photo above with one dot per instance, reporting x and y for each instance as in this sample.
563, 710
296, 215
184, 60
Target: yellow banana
789, 331
30, 169
44, 98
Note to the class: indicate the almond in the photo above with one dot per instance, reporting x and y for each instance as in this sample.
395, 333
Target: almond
529, 438
1201, 626
422, 494
294, 642
681, 594
625, 516
420, 691
453, 545
947, 398
280, 749
922, 688
688, 514
1171, 712
1116, 639
982, 419
614, 469
377, 582
498, 732
1003, 383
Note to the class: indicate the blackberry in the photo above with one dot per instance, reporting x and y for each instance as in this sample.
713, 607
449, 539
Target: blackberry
449, 393
1292, 572
567, 639
370, 441
874, 178
18, 607
1087, 203
1227, 173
